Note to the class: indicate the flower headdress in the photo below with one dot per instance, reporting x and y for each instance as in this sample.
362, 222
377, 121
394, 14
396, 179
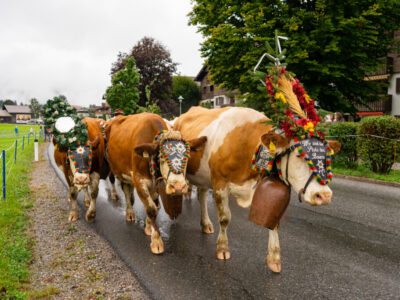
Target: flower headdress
290, 108
57, 108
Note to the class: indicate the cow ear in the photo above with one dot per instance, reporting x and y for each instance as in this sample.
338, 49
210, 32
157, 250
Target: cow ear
146, 150
278, 140
196, 144
335, 146
95, 143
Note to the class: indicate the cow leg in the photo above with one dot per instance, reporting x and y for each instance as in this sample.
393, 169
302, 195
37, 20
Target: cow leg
221, 197
144, 191
86, 200
94, 191
205, 222
128, 192
72, 195
114, 195
273, 259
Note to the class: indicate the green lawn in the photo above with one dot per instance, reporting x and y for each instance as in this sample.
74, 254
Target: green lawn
362, 171
15, 244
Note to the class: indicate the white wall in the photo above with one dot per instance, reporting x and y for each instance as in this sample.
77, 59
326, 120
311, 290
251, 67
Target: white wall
395, 97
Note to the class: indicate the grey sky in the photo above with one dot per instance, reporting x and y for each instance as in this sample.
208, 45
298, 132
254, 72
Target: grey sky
50, 47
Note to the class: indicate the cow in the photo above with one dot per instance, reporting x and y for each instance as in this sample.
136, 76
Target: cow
81, 181
224, 164
136, 154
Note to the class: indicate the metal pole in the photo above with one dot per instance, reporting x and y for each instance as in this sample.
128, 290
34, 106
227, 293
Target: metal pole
15, 156
4, 174
23, 142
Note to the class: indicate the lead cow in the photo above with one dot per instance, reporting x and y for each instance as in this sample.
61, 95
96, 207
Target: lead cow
78, 180
142, 153
224, 164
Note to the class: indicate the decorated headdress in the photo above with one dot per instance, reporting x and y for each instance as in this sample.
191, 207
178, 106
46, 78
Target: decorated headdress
291, 111
66, 126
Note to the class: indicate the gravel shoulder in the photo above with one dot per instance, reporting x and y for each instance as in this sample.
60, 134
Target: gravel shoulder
70, 261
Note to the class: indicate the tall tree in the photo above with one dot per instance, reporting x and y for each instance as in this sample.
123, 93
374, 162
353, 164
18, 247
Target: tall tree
123, 92
35, 107
156, 67
188, 89
332, 44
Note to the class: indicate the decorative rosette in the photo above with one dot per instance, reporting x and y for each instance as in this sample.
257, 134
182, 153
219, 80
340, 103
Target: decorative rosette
261, 163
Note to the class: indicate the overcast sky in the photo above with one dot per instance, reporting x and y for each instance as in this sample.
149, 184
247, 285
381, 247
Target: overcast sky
51, 47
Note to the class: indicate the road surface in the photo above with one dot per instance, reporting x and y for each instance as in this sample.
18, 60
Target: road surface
349, 249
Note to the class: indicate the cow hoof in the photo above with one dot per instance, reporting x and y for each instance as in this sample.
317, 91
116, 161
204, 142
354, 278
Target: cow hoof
208, 228
90, 216
223, 254
157, 247
274, 266
130, 217
86, 203
73, 216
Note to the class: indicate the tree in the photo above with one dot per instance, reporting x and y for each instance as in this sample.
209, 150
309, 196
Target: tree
332, 44
156, 67
9, 102
188, 89
123, 92
35, 107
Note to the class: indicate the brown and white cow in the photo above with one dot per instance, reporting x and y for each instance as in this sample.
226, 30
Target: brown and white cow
130, 147
233, 133
81, 181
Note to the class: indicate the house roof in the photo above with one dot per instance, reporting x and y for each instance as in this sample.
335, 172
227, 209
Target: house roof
4, 113
17, 109
203, 72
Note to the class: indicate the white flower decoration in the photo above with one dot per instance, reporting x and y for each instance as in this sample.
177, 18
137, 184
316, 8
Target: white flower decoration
74, 138
70, 140
80, 150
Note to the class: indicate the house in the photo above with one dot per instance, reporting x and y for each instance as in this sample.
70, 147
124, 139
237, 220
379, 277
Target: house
5, 117
18, 113
212, 93
103, 109
389, 73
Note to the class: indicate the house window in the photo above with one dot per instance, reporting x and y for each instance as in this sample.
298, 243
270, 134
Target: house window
211, 88
220, 101
204, 89
397, 85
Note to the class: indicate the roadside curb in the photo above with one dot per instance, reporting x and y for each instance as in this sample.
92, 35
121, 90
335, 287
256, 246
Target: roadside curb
364, 179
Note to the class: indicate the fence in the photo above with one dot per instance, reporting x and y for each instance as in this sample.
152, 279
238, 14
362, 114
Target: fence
12, 144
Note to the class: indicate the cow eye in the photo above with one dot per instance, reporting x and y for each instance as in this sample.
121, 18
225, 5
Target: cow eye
298, 155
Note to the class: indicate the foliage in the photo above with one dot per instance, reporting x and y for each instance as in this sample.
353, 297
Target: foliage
35, 107
15, 243
55, 108
156, 67
188, 89
331, 46
349, 145
8, 102
363, 171
151, 108
206, 104
376, 153
123, 92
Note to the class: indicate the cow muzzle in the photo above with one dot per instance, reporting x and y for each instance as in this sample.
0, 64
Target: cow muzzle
320, 198
81, 180
177, 188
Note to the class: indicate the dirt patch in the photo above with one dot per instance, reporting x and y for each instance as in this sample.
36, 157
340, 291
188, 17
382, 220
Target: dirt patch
70, 260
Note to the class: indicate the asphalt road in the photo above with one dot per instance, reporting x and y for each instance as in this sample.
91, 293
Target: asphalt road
347, 250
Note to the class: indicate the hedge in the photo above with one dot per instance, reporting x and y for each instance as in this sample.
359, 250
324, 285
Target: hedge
377, 153
348, 153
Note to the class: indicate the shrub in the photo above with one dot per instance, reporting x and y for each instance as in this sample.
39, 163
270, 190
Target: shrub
348, 153
377, 153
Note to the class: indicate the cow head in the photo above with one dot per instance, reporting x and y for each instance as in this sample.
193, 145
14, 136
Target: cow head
304, 163
80, 161
169, 155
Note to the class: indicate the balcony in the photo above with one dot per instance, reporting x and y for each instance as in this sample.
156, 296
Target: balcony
383, 72
384, 106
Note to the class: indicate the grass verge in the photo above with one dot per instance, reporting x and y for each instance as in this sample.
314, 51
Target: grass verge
15, 243
362, 171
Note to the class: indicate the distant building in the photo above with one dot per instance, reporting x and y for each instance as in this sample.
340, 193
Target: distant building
103, 109
389, 73
216, 96
16, 114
